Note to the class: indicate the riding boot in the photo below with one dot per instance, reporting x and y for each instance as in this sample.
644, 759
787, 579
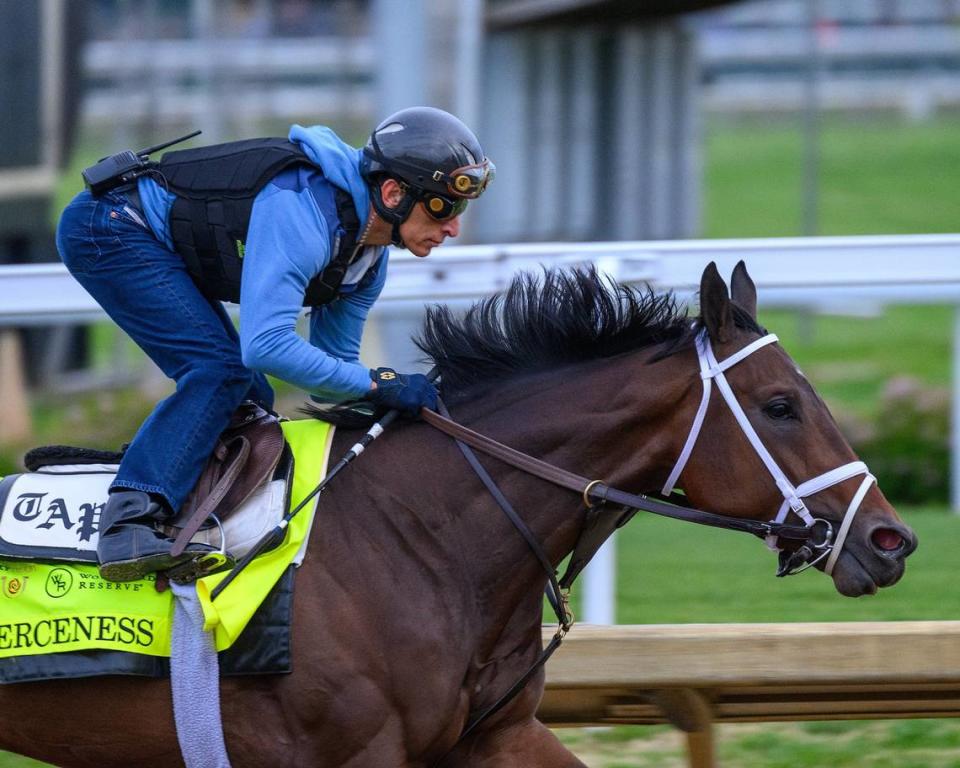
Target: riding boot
130, 546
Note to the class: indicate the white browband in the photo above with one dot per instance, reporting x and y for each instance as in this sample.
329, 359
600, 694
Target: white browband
710, 370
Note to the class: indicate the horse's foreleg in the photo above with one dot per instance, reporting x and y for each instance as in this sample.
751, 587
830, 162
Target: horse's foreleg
529, 744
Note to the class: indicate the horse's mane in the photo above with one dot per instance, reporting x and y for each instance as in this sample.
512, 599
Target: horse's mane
545, 321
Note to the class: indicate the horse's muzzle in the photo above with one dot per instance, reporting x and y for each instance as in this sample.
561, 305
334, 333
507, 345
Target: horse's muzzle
874, 556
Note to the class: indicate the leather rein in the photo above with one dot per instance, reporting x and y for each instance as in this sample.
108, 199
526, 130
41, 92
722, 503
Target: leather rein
595, 492
815, 539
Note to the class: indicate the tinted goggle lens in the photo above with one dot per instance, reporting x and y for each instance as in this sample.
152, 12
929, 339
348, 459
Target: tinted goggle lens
442, 208
471, 180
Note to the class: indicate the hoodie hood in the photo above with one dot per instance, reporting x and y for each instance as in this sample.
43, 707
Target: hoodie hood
340, 163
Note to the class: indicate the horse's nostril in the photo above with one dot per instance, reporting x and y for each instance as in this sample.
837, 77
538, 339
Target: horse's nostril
887, 539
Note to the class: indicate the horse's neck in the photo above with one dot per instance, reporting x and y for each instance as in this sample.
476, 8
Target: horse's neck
619, 420
610, 420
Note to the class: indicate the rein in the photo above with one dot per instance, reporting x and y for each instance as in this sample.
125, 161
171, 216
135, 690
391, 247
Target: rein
596, 492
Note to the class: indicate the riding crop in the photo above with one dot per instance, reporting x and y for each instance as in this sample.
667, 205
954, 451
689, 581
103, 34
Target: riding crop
277, 533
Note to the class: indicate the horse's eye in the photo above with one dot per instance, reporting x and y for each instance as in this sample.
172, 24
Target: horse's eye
780, 410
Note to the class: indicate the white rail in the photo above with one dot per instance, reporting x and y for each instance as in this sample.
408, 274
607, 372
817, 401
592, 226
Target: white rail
823, 272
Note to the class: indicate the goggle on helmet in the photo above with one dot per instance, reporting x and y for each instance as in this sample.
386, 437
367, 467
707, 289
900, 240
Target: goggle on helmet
468, 181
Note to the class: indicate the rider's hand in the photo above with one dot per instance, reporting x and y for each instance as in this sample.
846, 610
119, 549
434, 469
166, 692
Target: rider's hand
407, 392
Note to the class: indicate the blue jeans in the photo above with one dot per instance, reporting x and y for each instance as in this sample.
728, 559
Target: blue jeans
146, 290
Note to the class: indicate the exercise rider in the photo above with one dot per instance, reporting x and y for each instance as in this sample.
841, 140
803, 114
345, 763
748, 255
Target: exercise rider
276, 225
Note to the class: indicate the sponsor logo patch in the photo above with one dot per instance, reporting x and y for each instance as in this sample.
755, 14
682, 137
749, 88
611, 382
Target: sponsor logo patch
55, 511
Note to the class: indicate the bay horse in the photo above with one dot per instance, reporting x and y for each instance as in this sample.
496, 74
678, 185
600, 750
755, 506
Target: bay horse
419, 604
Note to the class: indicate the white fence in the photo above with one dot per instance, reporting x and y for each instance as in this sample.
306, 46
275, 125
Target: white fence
844, 274
823, 273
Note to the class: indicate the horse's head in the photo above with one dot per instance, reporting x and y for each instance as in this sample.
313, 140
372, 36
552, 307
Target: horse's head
783, 453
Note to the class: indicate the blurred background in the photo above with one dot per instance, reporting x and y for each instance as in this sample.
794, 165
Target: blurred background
608, 120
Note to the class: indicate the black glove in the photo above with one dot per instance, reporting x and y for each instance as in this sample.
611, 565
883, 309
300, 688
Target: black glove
406, 392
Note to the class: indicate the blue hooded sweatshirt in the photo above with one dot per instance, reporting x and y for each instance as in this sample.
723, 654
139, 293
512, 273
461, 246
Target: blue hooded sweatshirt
288, 243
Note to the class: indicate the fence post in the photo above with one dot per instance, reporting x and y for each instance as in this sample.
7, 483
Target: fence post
955, 416
690, 711
14, 409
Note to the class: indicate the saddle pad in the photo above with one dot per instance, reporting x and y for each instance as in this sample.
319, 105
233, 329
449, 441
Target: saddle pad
262, 649
59, 606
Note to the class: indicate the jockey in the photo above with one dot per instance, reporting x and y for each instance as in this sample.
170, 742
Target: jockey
304, 221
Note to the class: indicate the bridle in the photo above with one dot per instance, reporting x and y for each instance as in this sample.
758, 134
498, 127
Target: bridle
815, 549
815, 539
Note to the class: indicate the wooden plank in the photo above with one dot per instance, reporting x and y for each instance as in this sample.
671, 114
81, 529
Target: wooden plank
706, 655
695, 675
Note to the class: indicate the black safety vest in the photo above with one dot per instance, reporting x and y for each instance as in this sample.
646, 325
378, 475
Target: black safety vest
215, 188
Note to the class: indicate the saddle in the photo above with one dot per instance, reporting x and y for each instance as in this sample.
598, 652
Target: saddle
246, 454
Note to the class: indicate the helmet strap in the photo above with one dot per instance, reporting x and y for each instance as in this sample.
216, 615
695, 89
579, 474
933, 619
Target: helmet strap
396, 238
393, 216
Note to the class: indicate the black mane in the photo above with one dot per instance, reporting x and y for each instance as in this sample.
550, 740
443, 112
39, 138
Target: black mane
540, 322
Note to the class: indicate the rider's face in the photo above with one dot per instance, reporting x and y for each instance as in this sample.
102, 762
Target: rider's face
422, 233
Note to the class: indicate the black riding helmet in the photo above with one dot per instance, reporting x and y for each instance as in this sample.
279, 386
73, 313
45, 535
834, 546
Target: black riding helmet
434, 155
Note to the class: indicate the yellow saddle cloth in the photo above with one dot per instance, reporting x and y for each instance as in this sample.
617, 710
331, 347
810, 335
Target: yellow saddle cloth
68, 607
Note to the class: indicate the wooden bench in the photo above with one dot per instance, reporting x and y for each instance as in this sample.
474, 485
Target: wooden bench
695, 675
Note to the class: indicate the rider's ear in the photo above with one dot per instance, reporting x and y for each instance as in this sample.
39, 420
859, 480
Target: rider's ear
743, 290
715, 305
391, 192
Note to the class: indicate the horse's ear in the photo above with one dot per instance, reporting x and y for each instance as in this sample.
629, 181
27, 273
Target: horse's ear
715, 306
743, 290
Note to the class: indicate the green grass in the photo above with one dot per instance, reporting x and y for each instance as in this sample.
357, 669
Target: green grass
14, 761
876, 176
851, 359
866, 744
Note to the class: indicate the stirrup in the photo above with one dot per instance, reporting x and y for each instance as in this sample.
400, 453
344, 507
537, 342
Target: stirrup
200, 566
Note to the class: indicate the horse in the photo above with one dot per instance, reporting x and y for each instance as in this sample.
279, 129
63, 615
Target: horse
419, 604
